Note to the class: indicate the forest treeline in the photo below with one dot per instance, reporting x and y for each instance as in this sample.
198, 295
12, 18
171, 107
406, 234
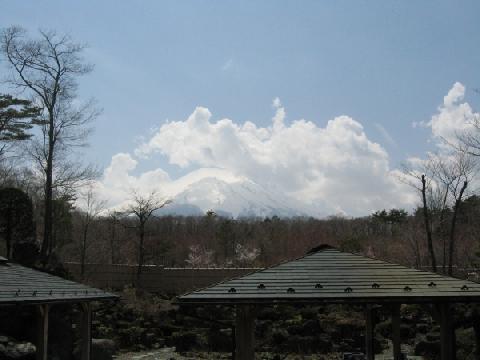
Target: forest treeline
211, 240
43, 179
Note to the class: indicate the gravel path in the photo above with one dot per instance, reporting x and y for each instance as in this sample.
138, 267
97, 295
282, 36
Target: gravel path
170, 354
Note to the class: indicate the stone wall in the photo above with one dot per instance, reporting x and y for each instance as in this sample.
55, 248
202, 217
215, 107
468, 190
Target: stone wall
154, 278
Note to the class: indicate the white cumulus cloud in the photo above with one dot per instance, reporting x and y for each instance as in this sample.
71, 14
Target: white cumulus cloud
454, 116
329, 169
336, 167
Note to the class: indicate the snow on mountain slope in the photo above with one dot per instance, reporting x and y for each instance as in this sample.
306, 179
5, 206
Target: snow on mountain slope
233, 197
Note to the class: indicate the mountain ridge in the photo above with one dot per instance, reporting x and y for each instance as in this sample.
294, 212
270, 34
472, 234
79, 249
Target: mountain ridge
241, 198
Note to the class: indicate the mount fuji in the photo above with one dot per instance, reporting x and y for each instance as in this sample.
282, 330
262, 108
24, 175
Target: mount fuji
239, 197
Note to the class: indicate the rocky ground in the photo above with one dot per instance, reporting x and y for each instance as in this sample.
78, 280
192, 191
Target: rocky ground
150, 328
142, 326
12, 349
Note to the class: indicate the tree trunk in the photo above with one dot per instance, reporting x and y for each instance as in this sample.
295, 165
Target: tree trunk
427, 226
476, 328
84, 251
451, 245
112, 244
442, 232
140, 250
8, 233
48, 215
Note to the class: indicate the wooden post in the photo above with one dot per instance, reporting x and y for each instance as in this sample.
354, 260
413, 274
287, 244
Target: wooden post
86, 331
397, 348
244, 333
447, 335
42, 332
369, 333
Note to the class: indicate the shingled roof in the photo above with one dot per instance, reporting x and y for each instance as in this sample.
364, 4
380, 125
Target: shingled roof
22, 285
329, 275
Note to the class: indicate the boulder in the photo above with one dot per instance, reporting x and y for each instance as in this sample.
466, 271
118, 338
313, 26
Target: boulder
25, 350
433, 337
185, 341
18, 351
220, 340
423, 328
407, 331
427, 348
103, 349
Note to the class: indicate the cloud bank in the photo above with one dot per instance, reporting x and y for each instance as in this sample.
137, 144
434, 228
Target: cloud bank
330, 169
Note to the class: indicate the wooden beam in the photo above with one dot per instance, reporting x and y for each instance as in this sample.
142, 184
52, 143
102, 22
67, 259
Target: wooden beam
397, 348
42, 332
447, 333
86, 331
245, 333
369, 333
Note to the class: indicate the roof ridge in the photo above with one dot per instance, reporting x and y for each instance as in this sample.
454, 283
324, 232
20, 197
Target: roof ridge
321, 247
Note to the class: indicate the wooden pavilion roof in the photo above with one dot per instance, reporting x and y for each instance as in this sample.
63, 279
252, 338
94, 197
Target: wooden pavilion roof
328, 275
22, 285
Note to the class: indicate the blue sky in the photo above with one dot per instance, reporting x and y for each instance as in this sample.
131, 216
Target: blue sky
385, 64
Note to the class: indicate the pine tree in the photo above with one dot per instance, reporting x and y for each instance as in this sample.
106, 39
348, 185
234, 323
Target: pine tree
17, 116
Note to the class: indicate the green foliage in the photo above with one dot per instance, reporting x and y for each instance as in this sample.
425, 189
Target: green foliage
17, 116
469, 210
394, 216
211, 214
17, 227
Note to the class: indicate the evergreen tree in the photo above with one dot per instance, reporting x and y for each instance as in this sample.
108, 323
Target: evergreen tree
17, 227
17, 116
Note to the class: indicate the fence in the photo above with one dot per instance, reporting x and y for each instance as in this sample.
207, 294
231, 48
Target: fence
154, 278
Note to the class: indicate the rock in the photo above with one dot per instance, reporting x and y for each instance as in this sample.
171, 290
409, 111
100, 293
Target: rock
294, 329
433, 337
185, 341
17, 351
149, 338
26, 348
103, 349
279, 336
406, 331
159, 343
307, 344
423, 328
311, 327
427, 348
220, 340
308, 313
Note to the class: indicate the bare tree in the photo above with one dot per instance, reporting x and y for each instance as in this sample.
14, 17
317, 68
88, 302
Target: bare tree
422, 184
92, 208
444, 179
469, 139
47, 68
454, 174
113, 219
143, 207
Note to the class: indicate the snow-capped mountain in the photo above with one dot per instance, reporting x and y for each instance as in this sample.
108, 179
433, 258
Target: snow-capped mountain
237, 198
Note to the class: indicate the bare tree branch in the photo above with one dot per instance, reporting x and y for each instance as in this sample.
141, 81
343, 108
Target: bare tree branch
48, 68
